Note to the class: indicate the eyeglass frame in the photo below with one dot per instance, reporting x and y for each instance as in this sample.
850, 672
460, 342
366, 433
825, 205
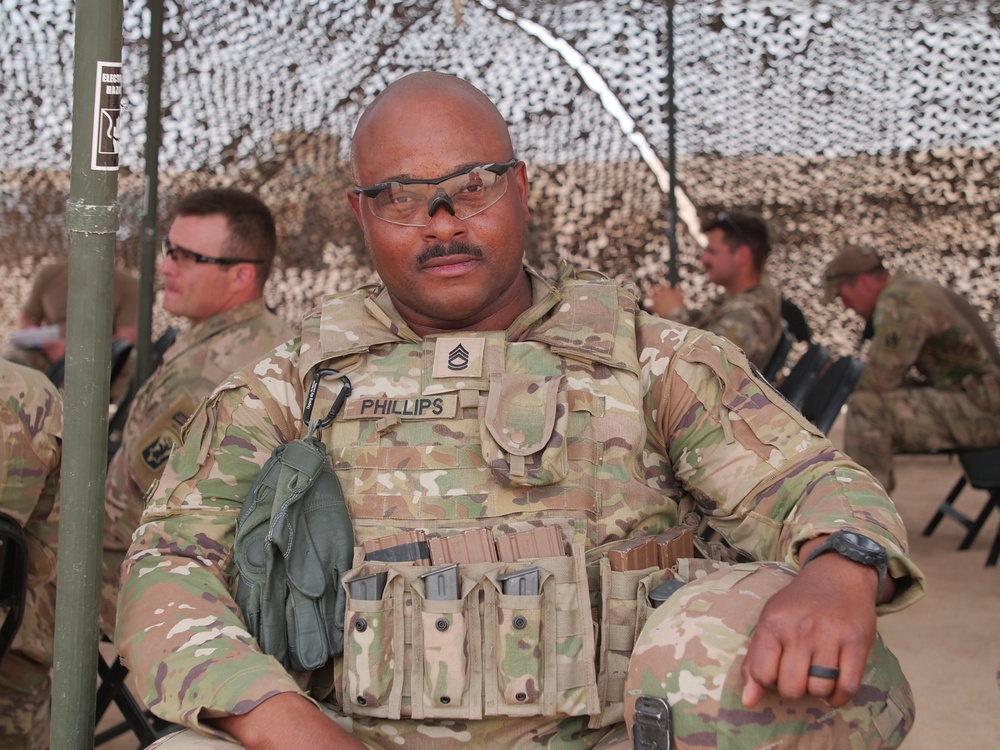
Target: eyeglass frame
169, 250
499, 168
730, 226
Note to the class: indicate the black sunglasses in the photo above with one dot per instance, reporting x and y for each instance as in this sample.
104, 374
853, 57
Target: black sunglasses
181, 255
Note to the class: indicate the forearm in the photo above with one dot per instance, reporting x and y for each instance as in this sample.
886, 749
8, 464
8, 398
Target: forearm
287, 720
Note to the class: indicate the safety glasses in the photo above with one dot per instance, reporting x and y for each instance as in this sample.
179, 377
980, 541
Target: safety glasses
465, 193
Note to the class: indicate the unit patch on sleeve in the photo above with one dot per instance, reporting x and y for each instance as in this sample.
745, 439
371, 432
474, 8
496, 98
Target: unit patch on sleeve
153, 446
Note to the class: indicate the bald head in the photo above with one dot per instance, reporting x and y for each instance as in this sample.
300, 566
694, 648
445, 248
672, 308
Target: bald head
421, 110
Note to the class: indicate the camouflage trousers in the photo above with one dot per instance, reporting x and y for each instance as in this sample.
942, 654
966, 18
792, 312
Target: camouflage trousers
25, 689
521, 734
914, 420
689, 652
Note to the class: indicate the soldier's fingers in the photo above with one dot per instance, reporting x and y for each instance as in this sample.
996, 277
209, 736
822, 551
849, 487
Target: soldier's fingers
763, 658
823, 674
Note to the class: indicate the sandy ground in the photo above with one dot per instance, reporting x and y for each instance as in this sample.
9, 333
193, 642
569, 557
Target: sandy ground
947, 642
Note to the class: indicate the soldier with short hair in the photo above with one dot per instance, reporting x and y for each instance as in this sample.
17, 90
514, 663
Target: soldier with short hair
30, 451
518, 456
217, 257
932, 377
748, 313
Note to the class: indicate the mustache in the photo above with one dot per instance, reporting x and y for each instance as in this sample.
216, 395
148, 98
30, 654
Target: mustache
440, 250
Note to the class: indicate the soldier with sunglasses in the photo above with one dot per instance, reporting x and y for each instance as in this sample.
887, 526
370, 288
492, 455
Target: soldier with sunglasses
497, 435
217, 257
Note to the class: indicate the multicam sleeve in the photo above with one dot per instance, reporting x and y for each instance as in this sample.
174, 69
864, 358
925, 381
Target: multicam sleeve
765, 477
179, 630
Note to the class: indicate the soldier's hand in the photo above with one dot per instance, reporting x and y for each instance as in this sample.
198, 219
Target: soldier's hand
665, 301
287, 720
826, 618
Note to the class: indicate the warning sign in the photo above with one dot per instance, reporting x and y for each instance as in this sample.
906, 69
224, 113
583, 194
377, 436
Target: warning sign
107, 108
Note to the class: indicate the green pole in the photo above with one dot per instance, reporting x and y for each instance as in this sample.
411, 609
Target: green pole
673, 274
92, 219
150, 239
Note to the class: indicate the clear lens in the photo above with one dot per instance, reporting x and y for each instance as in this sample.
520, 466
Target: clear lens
469, 194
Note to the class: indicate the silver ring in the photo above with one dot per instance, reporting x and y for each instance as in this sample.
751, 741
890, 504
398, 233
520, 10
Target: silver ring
823, 673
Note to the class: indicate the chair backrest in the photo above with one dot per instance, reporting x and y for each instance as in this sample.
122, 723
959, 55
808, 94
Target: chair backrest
982, 466
829, 393
795, 320
799, 380
780, 355
120, 349
13, 578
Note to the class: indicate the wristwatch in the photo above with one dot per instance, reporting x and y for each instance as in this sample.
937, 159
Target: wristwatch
857, 548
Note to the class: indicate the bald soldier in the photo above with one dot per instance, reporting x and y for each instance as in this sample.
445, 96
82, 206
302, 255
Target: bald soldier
30, 451
505, 443
932, 377
748, 312
217, 257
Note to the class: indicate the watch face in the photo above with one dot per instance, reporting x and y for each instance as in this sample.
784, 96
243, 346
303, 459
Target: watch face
861, 541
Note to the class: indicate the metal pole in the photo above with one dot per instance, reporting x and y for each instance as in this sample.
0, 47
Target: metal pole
150, 239
92, 219
673, 274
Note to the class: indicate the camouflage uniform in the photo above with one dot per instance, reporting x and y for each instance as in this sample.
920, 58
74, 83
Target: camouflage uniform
31, 423
750, 319
197, 362
922, 325
585, 415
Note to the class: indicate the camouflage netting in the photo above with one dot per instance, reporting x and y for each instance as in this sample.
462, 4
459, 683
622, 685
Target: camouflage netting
873, 122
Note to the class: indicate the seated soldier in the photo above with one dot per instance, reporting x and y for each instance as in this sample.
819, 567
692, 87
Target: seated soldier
749, 312
217, 257
922, 328
30, 450
487, 402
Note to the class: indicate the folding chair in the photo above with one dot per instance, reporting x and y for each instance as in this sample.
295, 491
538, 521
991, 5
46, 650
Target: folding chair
799, 380
144, 725
780, 355
120, 349
981, 469
830, 391
13, 578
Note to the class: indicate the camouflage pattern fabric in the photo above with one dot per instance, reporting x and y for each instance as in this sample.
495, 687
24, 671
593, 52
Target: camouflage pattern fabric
691, 652
196, 363
585, 415
31, 425
921, 325
750, 319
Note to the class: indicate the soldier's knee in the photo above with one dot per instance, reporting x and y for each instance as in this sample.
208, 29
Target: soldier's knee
691, 651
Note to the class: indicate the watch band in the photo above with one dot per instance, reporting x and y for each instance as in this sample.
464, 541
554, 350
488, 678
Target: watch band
848, 544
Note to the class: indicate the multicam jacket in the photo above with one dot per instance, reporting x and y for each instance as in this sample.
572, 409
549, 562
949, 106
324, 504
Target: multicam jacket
586, 415
921, 324
197, 362
750, 319
31, 426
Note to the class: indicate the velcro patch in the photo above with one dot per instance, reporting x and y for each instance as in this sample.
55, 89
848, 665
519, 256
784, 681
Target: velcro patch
422, 407
458, 357
153, 446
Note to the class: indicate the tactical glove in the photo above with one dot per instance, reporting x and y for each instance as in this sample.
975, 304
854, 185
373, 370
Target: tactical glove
294, 542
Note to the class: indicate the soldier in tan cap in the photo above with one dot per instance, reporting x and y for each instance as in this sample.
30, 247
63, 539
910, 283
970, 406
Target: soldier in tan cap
932, 377
748, 312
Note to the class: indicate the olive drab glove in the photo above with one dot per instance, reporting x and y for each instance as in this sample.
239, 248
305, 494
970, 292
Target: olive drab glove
294, 542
